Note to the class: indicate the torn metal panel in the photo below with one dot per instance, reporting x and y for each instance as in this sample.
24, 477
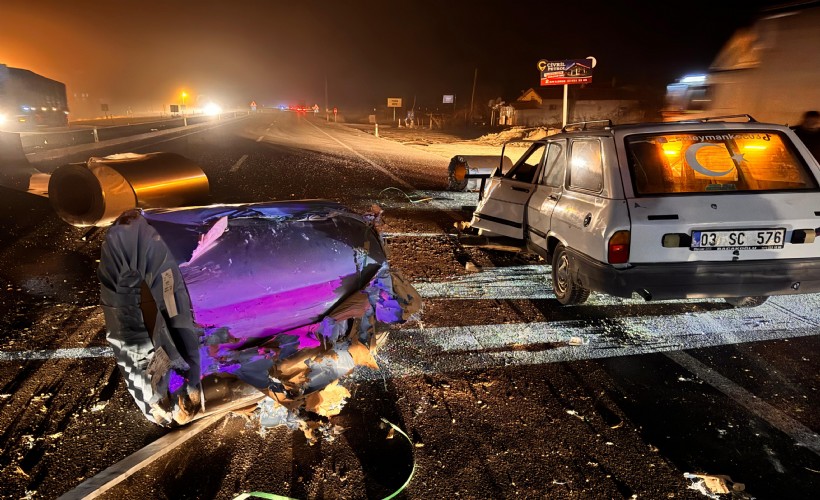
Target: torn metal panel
282, 298
96, 192
466, 172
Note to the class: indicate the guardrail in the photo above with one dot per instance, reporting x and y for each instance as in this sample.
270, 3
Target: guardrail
42, 141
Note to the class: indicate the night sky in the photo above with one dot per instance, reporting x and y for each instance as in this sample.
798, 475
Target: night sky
144, 53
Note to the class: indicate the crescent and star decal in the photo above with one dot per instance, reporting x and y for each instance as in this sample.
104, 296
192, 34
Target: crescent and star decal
692, 161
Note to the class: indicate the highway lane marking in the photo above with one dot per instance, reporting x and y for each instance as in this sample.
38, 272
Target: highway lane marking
96, 485
260, 138
180, 136
389, 234
801, 434
69, 353
436, 204
238, 163
366, 159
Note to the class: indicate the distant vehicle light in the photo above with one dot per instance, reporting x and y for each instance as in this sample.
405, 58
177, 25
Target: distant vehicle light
693, 79
212, 109
2, 118
43, 108
53, 108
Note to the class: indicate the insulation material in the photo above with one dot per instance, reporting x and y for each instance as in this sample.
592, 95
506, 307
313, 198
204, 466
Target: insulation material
203, 305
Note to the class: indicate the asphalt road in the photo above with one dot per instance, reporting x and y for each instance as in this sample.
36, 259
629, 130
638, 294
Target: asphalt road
504, 392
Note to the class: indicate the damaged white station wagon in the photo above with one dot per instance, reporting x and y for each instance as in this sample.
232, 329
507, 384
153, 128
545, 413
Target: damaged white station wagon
665, 210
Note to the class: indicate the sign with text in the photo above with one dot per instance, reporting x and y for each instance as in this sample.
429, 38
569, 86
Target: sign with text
448, 99
566, 72
394, 102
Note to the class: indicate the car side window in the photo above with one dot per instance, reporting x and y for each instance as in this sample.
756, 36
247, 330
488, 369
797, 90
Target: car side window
527, 166
555, 166
586, 165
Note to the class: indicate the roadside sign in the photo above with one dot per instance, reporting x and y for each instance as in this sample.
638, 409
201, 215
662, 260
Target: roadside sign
174, 108
447, 99
394, 102
253, 105
103, 107
566, 72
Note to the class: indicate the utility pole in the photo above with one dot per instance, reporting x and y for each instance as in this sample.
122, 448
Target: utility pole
475, 78
327, 104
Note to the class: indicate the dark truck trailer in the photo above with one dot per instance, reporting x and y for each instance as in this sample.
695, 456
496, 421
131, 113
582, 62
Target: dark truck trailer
29, 101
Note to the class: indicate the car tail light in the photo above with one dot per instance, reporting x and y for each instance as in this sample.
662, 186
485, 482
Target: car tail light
619, 248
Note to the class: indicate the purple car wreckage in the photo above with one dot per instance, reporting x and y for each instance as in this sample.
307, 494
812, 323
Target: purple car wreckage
206, 307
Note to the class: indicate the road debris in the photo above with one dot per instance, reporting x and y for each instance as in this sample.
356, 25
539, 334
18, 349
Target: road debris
713, 486
208, 305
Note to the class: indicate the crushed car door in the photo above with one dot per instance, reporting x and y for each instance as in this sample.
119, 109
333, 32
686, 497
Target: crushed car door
502, 210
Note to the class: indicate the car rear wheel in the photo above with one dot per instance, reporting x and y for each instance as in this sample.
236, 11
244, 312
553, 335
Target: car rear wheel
567, 291
746, 301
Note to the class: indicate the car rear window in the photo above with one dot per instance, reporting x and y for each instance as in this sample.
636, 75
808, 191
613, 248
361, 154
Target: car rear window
716, 161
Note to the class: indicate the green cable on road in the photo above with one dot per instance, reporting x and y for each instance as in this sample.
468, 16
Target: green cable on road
410, 477
271, 496
259, 494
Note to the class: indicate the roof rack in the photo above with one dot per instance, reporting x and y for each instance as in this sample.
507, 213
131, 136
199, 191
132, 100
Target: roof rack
749, 118
583, 125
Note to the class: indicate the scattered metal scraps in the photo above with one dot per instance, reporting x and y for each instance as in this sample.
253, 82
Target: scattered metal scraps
713, 486
204, 306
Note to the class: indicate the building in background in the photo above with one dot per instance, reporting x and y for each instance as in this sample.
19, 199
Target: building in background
544, 107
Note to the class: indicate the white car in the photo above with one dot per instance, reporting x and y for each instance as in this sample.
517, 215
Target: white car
665, 210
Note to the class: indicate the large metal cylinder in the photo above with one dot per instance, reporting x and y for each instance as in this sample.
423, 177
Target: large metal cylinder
95, 193
466, 171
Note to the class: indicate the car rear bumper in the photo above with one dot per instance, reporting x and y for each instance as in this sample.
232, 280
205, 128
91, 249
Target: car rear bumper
699, 279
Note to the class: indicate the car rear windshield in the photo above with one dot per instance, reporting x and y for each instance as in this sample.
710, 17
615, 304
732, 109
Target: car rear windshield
716, 161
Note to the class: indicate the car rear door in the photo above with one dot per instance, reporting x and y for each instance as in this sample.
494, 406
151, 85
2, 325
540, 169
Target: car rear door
502, 208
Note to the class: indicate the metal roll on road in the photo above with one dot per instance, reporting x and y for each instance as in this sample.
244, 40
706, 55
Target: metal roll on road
95, 193
465, 171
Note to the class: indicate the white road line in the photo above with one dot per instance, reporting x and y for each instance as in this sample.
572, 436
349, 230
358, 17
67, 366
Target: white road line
238, 163
366, 159
389, 234
180, 136
412, 352
511, 282
427, 200
260, 138
95, 486
71, 353
801, 434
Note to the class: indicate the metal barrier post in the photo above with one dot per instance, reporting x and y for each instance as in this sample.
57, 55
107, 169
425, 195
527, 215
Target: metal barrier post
96, 137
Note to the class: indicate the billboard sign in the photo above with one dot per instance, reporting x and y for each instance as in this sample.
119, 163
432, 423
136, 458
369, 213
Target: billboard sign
394, 102
566, 72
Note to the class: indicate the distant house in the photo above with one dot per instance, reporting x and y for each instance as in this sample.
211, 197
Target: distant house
544, 106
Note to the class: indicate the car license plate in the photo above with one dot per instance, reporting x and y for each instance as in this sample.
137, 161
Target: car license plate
740, 239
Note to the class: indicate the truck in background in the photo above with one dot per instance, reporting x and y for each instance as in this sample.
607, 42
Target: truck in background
770, 71
29, 101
